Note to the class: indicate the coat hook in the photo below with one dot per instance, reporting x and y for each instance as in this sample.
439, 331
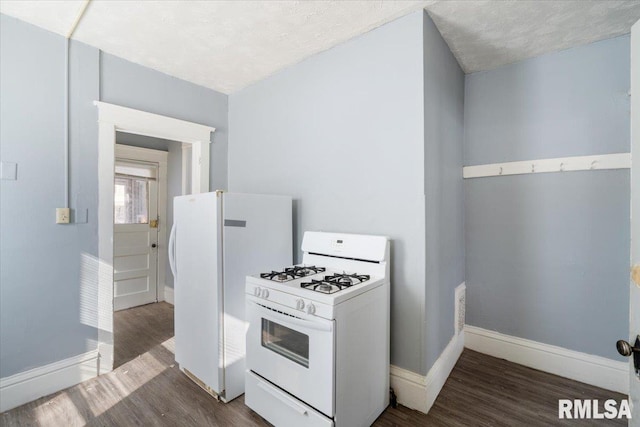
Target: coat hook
533, 167
561, 167
500, 170
594, 164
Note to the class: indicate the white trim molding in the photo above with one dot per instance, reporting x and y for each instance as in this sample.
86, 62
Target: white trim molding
35, 383
149, 124
186, 168
561, 164
111, 119
441, 369
159, 157
410, 388
169, 295
420, 392
138, 122
595, 370
124, 151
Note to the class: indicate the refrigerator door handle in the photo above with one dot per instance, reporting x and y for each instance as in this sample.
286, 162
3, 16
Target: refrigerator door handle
172, 250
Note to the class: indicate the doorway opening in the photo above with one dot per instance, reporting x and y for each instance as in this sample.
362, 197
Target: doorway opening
148, 175
133, 210
141, 205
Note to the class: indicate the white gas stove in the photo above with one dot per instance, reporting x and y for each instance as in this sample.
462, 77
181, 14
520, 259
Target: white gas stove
316, 293
318, 338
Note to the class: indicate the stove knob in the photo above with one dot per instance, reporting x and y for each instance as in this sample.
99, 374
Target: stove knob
265, 293
300, 304
257, 291
311, 309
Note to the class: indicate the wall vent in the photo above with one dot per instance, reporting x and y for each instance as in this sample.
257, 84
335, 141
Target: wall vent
460, 306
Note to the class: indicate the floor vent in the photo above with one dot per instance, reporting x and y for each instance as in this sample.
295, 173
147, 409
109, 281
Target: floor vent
460, 308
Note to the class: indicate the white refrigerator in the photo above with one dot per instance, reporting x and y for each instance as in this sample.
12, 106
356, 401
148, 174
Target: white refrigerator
218, 239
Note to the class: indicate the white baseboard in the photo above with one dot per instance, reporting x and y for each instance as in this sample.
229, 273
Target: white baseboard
168, 295
420, 392
441, 369
35, 383
595, 370
410, 388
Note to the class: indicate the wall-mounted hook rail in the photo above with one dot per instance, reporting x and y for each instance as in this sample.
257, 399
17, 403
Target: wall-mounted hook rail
563, 164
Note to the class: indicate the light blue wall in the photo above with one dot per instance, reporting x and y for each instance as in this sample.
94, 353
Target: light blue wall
570, 103
45, 316
131, 85
343, 133
48, 273
443, 140
548, 254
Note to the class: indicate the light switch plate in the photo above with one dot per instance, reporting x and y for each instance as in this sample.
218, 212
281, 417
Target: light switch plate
62, 215
9, 171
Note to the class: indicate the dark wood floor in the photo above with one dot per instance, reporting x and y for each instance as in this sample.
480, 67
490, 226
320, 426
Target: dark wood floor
140, 329
148, 389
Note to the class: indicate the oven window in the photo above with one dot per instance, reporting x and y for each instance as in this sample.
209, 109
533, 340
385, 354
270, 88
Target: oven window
286, 342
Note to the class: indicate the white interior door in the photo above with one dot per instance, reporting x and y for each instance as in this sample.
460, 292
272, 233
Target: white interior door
135, 241
634, 293
196, 260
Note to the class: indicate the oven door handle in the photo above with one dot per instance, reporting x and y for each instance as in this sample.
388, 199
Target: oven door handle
294, 321
284, 399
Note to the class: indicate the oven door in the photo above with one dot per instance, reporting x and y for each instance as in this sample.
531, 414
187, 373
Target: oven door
292, 350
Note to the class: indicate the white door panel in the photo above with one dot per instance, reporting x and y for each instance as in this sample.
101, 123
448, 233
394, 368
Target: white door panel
197, 257
257, 237
132, 286
130, 263
135, 259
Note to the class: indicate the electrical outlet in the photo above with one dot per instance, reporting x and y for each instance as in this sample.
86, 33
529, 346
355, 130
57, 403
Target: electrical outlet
62, 215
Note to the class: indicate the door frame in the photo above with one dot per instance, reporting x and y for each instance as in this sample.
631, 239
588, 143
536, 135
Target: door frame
634, 282
147, 155
111, 119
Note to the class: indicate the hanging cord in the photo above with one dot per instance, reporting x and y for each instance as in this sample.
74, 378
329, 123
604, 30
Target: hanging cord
66, 98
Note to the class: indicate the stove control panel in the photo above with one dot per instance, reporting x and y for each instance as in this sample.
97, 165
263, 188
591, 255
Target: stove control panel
260, 292
311, 309
275, 297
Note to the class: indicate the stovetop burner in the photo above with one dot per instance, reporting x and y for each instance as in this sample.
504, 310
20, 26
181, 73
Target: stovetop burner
335, 282
291, 273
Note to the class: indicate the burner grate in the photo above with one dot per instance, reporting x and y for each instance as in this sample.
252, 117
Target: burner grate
291, 273
347, 279
335, 282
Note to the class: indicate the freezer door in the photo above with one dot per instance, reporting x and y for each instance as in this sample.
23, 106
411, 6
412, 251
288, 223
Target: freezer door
257, 237
198, 294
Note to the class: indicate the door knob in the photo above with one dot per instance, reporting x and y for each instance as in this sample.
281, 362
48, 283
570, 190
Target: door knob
626, 349
153, 245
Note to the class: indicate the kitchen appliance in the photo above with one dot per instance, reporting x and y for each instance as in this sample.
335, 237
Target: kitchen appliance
318, 338
216, 239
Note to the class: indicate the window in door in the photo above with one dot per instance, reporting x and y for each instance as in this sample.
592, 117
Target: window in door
131, 200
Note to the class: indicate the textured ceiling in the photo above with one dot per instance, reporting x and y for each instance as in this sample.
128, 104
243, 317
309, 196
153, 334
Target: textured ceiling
227, 45
486, 34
